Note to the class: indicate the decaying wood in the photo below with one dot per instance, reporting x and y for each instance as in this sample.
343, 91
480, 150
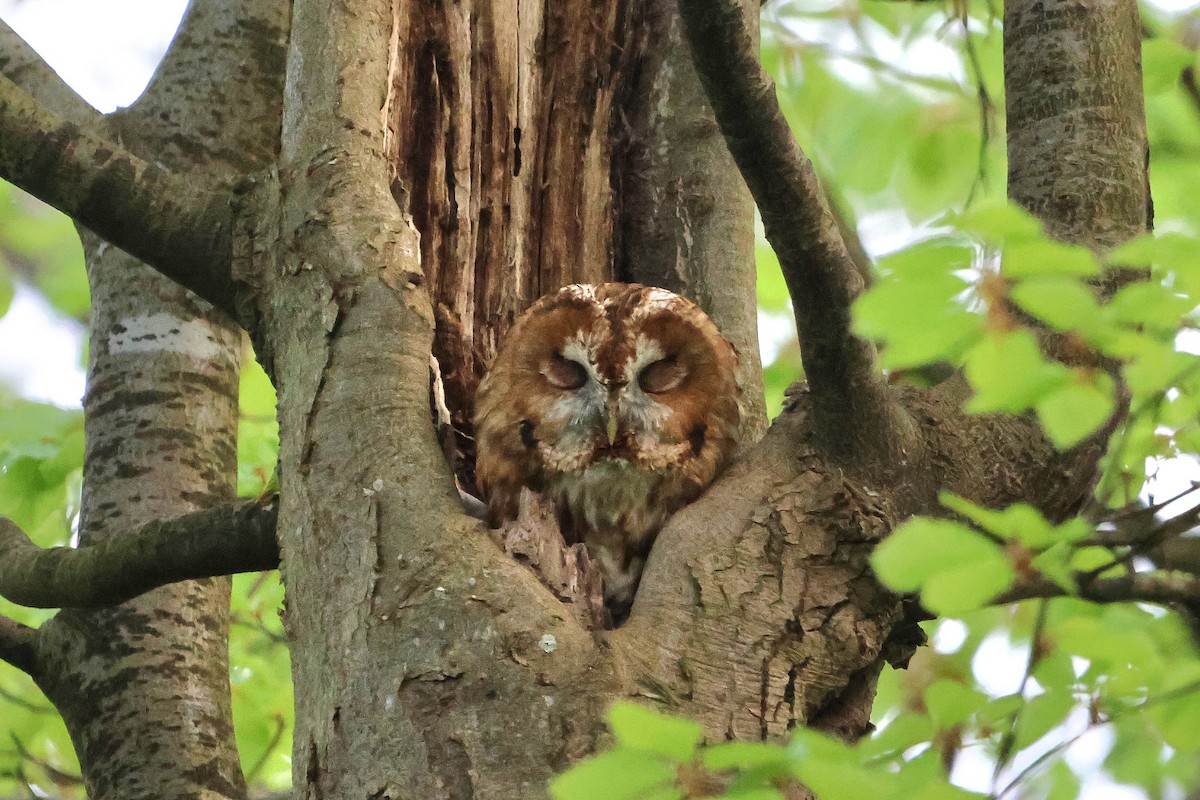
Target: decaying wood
534, 539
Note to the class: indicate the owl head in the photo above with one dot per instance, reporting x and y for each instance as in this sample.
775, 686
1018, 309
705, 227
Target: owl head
607, 380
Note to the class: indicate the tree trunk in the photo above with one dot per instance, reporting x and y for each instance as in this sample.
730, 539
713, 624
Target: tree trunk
144, 687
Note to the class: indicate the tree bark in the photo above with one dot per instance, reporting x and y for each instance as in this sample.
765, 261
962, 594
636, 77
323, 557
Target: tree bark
144, 687
1077, 152
440, 165
520, 148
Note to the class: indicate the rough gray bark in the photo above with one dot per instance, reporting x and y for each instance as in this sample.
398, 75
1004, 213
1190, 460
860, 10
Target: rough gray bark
1077, 150
112, 569
21, 64
144, 686
80, 170
858, 418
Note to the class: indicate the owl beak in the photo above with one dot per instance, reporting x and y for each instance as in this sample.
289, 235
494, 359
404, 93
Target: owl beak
611, 416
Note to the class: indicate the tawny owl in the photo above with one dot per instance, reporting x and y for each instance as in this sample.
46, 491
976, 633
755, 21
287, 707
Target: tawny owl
617, 402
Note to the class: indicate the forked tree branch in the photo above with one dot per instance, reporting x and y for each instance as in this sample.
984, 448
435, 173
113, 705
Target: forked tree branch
18, 645
21, 64
220, 541
855, 412
170, 221
1160, 588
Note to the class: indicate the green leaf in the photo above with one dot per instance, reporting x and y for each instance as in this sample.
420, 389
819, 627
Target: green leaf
1158, 368
1000, 709
752, 794
1174, 253
901, 733
641, 729
1136, 754
999, 222
1063, 303
1041, 715
1055, 564
938, 256
1176, 721
811, 745
743, 755
1086, 559
1163, 60
1063, 783
1149, 303
916, 307
1071, 413
1009, 373
939, 790
968, 587
834, 781
1047, 257
617, 775
6, 290
1137, 253
950, 703
923, 547
772, 289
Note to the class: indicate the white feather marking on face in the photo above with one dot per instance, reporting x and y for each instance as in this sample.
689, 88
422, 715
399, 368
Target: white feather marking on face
645, 352
654, 301
576, 414
576, 350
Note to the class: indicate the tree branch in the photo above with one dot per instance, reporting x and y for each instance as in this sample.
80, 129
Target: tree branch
18, 644
856, 414
170, 221
21, 64
204, 544
1143, 587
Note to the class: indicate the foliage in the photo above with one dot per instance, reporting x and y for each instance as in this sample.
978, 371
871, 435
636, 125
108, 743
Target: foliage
1006, 693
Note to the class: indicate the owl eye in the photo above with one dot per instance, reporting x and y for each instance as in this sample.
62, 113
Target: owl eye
662, 376
564, 373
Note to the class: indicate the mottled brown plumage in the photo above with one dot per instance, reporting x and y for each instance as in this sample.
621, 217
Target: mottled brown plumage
619, 403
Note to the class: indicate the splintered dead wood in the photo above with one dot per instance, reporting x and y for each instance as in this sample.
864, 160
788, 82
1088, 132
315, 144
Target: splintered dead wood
534, 539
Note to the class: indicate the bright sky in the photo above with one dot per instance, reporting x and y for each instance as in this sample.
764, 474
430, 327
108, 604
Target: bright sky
106, 50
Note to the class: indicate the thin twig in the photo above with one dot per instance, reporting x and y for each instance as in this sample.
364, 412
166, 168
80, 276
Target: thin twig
1159, 588
55, 774
221, 541
1009, 737
1149, 702
986, 108
1176, 526
17, 700
276, 737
